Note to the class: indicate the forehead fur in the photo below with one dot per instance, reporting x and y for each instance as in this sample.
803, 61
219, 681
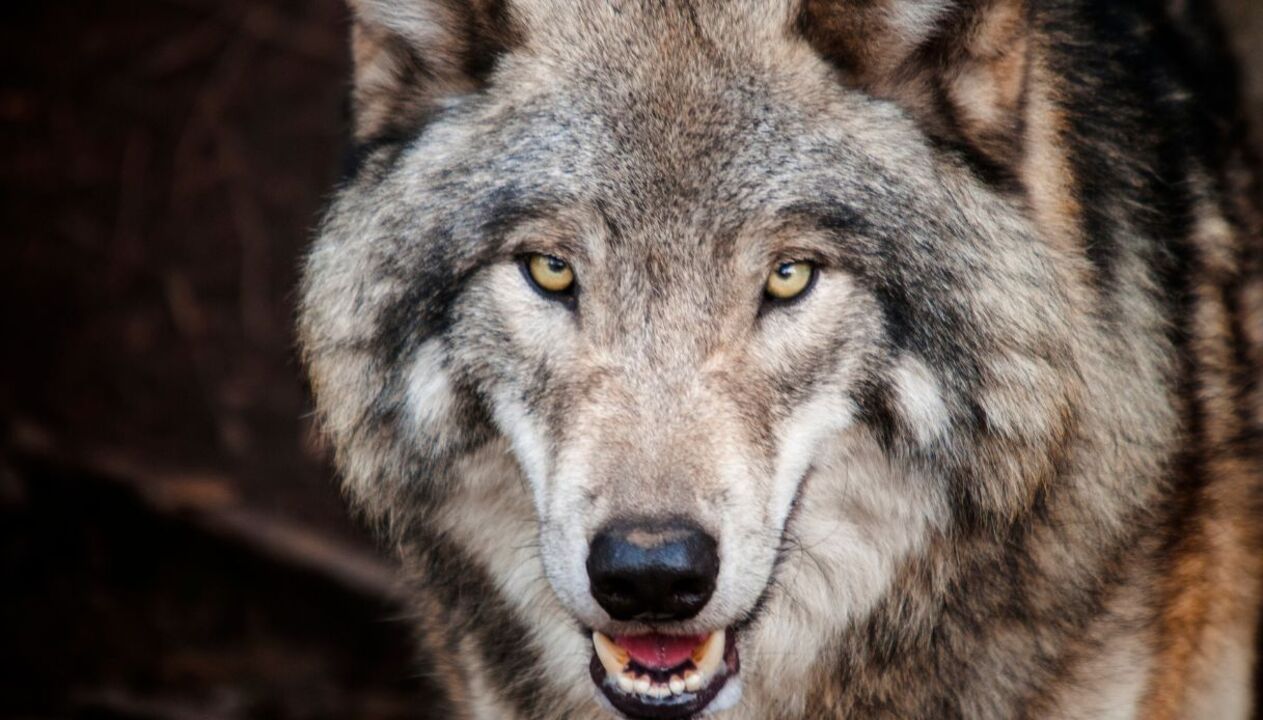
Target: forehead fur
652, 77
659, 134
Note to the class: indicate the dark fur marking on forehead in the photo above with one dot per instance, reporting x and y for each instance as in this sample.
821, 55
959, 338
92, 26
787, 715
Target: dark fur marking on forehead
508, 207
830, 217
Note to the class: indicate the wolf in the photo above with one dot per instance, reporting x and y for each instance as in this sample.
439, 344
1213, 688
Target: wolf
803, 358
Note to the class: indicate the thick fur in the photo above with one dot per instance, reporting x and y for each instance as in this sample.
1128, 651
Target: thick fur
1004, 460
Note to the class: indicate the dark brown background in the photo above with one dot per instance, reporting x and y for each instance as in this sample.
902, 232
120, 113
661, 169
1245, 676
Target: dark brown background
171, 542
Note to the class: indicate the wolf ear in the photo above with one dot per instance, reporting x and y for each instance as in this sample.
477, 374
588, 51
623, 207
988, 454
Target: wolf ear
959, 66
411, 54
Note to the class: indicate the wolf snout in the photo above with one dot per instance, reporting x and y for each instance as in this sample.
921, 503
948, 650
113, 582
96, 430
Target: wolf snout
653, 570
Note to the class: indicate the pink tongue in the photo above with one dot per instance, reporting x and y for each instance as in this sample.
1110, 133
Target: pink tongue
660, 652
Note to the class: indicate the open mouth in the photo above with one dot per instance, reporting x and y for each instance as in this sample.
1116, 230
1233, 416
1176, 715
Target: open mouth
665, 677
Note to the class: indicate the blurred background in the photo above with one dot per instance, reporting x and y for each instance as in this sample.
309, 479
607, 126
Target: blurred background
172, 541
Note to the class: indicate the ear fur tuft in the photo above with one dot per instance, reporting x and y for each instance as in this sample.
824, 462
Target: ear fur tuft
411, 54
959, 66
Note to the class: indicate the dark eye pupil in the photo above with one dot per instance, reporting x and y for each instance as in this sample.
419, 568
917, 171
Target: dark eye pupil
786, 270
556, 265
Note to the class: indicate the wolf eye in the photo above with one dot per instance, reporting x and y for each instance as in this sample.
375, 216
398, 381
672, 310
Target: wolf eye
550, 274
790, 279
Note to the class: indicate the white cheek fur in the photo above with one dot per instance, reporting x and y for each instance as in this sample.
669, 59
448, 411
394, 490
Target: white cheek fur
859, 517
429, 393
920, 399
538, 329
492, 517
528, 438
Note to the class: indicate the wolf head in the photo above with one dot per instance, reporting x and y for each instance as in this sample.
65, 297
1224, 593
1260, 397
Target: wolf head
726, 308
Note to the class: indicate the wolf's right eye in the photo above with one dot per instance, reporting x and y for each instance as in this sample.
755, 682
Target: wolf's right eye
550, 274
790, 280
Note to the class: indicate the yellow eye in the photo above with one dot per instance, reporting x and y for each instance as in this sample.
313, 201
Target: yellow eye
789, 280
551, 274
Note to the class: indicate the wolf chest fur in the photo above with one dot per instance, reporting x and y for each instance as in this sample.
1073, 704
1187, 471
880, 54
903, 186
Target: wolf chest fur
803, 358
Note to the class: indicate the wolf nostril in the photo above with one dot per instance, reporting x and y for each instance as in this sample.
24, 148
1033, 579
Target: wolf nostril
653, 570
614, 588
692, 587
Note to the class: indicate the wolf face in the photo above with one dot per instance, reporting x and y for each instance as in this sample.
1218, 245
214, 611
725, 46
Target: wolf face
685, 338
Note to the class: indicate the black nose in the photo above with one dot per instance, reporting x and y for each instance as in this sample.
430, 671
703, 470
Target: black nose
653, 570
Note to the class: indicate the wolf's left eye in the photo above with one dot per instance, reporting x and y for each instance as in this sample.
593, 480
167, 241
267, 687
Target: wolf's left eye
550, 274
790, 280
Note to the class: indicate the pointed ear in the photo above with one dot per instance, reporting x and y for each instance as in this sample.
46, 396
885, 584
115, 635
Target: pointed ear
959, 66
410, 55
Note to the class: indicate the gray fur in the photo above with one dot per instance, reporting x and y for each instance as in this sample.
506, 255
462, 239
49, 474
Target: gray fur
949, 482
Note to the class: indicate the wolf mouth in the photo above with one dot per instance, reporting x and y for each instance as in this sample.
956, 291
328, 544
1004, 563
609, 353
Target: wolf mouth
666, 677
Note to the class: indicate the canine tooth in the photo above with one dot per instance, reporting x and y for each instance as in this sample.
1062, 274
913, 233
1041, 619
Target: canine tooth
642, 685
677, 684
700, 651
613, 657
710, 655
626, 682
692, 681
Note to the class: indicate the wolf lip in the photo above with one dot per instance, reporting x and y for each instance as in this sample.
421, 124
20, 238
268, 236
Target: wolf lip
664, 677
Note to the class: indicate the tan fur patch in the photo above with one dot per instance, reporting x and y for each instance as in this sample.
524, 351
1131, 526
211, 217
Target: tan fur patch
1046, 171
